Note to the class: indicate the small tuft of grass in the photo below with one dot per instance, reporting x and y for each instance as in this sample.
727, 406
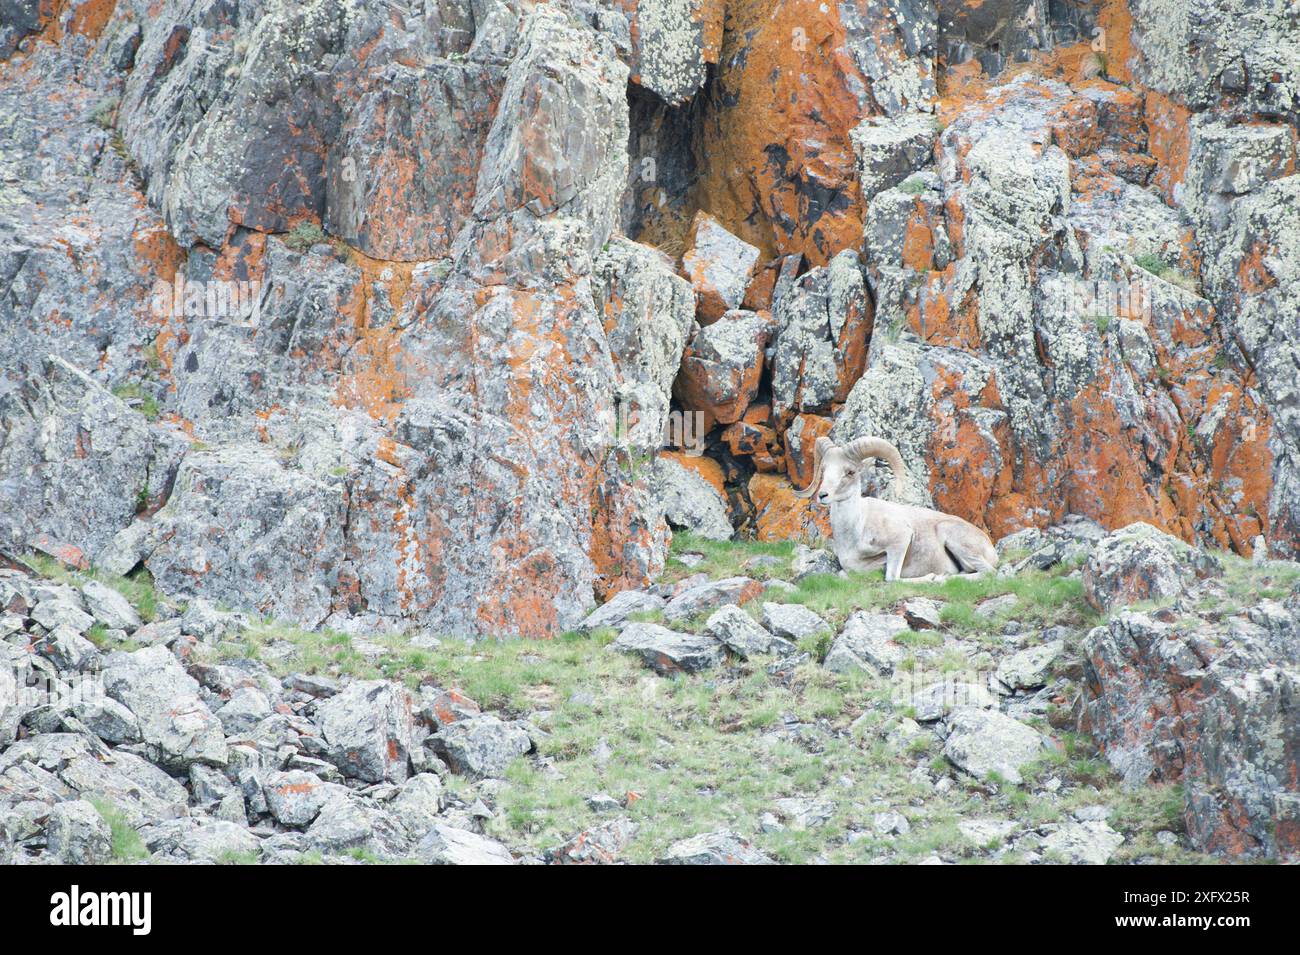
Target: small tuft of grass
727, 558
304, 236
137, 587
135, 395
235, 857
127, 844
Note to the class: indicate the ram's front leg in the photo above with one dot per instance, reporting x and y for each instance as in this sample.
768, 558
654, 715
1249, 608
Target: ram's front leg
896, 554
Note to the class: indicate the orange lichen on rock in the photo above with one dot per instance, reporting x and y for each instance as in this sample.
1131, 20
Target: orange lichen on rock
91, 16
1169, 135
781, 172
705, 467
780, 515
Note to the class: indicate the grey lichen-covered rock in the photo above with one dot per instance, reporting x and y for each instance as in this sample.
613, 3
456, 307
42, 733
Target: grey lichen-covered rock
1031, 667
175, 724
614, 613
689, 501
937, 700
600, 845
1139, 563
78, 458
889, 149
67, 649
667, 651
282, 532
792, 621
709, 595
109, 607
991, 745
741, 634
295, 798
369, 730
722, 847
77, 834
246, 707
648, 311
108, 719
1203, 51
922, 613
217, 840
210, 623
866, 643
719, 266
481, 746
1205, 702
823, 323
1082, 843
722, 366
445, 845
814, 560
137, 789
418, 804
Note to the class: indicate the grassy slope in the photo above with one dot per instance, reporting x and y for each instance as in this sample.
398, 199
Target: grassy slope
718, 749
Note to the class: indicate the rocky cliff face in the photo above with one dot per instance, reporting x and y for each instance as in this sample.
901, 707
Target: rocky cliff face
377, 315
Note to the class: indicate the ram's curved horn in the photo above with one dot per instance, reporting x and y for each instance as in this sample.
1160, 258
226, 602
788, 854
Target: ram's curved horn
859, 449
819, 459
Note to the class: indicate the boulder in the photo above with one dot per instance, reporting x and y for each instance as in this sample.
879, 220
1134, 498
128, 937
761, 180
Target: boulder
667, 651
1140, 563
614, 613
723, 364
689, 500
740, 633
792, 621
109, 607
823, 324
1205, 703
866, 643
295, 798
600, 845
1082, 843
710, 595
990, 745
939, 699
891, 148
719, 267
1029, 668
369, 730
445, 845
722, 847
77, 834
481, 746
176, 726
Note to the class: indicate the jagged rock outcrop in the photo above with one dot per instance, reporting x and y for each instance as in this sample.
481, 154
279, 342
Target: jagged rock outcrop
1209, 703
403, 297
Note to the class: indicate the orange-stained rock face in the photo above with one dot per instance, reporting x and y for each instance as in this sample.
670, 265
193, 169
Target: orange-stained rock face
719, 266
705, 467
780, 169
779, 515
723, 364
800, 441
1170, 140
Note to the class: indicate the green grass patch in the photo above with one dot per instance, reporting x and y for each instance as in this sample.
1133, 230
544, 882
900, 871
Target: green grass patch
727, 558
134, 394
127, 844
137, 587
